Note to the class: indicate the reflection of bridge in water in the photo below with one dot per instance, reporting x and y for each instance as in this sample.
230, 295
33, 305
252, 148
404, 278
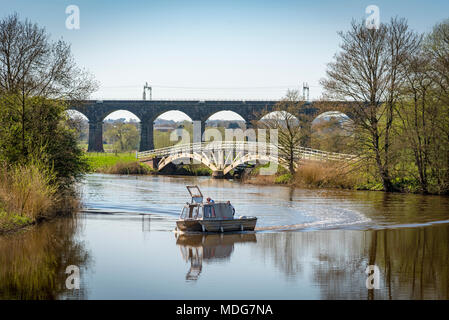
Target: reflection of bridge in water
197, 248
222, 157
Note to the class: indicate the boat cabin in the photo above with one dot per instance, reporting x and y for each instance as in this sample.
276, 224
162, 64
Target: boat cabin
217, 210
197, 210
211, 216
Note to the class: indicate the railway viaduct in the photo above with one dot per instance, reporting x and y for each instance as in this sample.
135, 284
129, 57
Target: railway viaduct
147, 112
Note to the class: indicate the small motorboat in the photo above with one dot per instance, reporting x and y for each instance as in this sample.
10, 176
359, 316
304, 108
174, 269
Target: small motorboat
211, 217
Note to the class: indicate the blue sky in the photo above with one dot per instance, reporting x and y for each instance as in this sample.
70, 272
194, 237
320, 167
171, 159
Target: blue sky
211, 49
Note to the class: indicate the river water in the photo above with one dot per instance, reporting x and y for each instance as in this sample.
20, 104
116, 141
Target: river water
310, 244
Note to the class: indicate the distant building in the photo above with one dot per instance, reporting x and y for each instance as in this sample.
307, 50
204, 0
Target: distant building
163, 128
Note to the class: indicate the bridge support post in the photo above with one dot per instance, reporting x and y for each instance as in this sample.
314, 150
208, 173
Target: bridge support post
218, 174
203, 128
146, 135
249, 126
95, 137
306, 140
152, 162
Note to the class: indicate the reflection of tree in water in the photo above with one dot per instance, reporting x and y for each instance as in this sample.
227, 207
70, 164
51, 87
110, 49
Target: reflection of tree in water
413, 262
33, 262
197, 248
282, 248
291, 252
399, 208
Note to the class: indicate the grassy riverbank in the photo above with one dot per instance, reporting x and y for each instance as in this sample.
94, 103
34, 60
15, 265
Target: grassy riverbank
28, 195
126, 163
116, 163
317, 175
309, 175
40, 160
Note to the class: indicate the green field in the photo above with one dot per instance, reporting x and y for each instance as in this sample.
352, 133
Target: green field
99, 161
106, 147
126, 163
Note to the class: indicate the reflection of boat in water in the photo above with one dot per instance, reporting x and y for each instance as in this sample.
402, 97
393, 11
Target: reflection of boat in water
211, 217
197, 248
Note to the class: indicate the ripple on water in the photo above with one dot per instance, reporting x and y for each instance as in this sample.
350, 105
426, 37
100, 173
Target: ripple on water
275, 207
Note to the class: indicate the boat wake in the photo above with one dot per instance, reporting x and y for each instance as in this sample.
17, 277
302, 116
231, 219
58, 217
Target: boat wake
324, 218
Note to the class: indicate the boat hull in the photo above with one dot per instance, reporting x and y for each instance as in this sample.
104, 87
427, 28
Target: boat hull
189, 225
217, 225
247, 224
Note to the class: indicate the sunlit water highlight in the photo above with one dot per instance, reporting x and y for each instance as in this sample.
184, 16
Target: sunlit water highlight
277, 208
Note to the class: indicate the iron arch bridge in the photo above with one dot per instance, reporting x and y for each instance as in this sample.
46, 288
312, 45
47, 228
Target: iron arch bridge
222, 157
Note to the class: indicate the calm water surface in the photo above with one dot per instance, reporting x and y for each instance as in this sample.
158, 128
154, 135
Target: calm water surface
311, 244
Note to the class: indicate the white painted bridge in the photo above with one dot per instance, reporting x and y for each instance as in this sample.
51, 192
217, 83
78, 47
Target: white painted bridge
222, 157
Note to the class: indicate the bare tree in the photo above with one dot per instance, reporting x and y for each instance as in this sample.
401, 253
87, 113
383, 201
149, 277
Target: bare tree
288, 119
368, 72
33, 66
418, 122
436, 48
79, 124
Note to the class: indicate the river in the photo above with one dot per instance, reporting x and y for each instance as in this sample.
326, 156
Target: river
310, 244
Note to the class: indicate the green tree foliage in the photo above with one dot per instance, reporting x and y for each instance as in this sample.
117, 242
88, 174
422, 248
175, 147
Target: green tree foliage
424, 113
396, 86
36, 76
47, 136
123, 136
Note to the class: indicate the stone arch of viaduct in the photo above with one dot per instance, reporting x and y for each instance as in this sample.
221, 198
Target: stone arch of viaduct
148, 111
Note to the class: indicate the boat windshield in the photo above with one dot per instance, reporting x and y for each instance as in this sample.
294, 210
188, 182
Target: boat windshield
191, 211
184, 212
197, 212
195, 193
